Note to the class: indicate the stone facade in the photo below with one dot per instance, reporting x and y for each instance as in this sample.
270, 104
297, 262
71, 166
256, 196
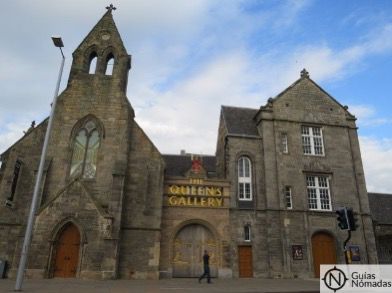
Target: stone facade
118, 210
140, 214
257, 135
195, 217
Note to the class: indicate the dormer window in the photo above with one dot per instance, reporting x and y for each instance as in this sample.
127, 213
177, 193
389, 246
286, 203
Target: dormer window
109, 64
92, 63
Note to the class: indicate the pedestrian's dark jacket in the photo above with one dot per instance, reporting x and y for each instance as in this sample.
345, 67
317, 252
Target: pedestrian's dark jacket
206, 259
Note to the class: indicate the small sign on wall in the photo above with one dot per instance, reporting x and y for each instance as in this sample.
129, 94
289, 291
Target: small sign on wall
297, 252
354, 253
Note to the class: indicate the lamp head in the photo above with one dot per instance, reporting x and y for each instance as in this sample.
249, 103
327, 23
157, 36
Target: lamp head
57, 41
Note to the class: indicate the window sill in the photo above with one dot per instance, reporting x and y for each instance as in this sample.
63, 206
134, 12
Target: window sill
318, 210
314, 155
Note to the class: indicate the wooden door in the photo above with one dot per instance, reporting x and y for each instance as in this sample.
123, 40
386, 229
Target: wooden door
67, 252
188, 251
245, 265
324, 251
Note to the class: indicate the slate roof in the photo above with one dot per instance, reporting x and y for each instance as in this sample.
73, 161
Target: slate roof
178, 165
381, 207
240, 120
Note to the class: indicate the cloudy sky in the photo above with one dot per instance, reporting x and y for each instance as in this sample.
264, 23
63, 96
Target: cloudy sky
191, 57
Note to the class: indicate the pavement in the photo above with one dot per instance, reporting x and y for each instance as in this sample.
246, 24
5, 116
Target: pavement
178, 285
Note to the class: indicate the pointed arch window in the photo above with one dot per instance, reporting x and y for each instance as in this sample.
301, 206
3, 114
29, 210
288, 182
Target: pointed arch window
244, 178
109, 64
92, 63
85, 151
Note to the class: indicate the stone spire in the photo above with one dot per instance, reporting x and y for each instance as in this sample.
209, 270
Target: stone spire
101, 49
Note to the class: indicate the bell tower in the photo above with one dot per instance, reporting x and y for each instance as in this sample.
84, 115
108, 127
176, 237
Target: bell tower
101, 58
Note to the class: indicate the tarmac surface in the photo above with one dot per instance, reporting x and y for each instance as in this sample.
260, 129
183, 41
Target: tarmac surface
165, 285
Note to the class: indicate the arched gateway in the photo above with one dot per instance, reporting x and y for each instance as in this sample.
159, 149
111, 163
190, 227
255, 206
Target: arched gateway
66, 252
189, 245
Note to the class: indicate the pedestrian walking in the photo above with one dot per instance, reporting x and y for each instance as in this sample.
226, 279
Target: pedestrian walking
206, 265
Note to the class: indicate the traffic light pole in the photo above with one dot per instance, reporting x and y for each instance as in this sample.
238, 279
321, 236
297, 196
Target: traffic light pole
346, 252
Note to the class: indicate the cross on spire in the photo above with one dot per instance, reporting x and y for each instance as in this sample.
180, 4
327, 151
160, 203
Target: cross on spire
304, 73
111, 7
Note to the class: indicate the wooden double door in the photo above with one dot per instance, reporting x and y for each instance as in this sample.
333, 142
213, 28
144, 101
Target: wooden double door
67, 252
324, 251
189, 245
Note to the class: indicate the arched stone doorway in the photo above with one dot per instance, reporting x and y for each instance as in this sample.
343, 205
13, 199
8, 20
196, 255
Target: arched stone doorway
66, 252
324, 250
189, 245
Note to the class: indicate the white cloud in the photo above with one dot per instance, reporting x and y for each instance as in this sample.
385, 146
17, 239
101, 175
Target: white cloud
376, 155
12, 132
362, 112
325, 63
287, 15
186, 115
367, 116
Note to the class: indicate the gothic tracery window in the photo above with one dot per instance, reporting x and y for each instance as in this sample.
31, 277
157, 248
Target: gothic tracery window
85, 151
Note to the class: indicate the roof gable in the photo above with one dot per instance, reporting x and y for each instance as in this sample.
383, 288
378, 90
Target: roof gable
306, 101
240, 121
105, 31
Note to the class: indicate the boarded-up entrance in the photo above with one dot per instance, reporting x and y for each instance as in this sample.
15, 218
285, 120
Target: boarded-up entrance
324, 251
245, 266
189, 245
67, 252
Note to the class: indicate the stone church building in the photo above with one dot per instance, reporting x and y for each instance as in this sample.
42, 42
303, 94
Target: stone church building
112, 206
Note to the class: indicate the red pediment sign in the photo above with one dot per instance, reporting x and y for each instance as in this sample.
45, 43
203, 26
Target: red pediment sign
196, 165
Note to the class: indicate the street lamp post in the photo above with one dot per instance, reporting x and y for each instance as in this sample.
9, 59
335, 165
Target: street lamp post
30, 222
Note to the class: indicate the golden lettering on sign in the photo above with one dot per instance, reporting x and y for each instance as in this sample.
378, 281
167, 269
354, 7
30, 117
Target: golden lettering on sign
195, 201
195, 194
196, 181
195, 190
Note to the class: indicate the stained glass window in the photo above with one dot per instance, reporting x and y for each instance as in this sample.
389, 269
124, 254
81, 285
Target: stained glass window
85, 151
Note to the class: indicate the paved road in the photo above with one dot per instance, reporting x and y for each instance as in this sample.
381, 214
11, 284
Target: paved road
165, 286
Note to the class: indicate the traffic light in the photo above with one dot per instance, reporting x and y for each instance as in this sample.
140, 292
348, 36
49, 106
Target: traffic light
342, 219
352, 220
